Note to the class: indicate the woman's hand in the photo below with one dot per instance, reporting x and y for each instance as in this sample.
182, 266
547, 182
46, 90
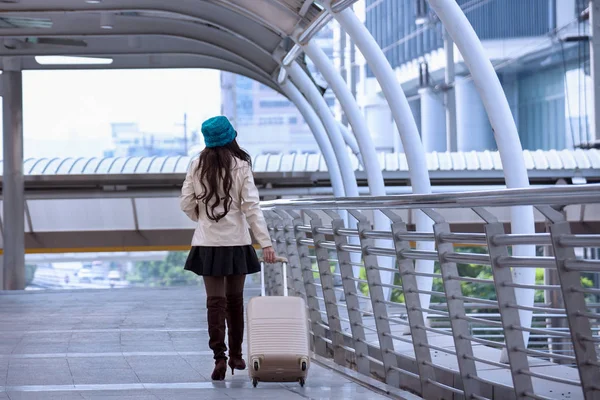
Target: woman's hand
269, 255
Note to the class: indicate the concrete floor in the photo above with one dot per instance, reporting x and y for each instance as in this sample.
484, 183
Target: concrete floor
134, 344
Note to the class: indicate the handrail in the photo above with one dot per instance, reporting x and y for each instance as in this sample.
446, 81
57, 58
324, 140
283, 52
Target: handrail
363, 317
559, 195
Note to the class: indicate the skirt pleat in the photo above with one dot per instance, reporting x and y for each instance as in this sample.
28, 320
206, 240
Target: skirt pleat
222, 261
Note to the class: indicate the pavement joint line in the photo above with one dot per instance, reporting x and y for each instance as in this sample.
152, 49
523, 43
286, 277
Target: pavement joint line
117, 330
108, 354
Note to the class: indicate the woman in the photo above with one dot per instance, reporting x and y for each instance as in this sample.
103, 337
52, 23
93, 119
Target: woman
219, 194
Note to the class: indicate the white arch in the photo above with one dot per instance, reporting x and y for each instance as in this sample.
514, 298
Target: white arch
312, 119
411, 140
506, 135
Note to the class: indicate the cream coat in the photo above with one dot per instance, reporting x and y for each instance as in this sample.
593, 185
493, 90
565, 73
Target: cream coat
244, 213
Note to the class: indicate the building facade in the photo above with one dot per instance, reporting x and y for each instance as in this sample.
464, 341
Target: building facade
536, 47
265, 120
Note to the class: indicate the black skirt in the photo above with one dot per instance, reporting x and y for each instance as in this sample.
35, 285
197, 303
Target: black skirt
222, 261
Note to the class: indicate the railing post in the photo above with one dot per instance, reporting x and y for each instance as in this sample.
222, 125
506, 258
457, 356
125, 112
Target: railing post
274, 274
316, 321
416, 319
456, 308
382, 323
281, 249
327, 284
268, 274
507, 300
352, 301
291, 252
580, 329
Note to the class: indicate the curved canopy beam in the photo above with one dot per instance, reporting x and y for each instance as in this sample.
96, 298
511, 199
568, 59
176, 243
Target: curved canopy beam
158, 61
254, 19
69, 25
160, 52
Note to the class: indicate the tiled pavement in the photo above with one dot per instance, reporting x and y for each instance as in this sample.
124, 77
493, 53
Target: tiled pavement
137, 344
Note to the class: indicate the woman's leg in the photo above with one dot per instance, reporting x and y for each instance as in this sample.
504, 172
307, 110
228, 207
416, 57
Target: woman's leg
216, 305
234, 291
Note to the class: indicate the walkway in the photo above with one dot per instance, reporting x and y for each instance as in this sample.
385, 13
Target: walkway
128, 344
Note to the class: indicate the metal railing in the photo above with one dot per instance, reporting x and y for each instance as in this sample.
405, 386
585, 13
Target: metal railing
470, 341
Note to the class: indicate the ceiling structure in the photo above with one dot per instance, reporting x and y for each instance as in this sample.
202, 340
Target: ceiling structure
247, 37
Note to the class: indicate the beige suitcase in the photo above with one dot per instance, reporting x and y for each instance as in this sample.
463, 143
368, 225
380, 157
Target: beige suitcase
278, 337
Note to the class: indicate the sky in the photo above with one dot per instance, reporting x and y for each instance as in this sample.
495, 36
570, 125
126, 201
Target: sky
68, 113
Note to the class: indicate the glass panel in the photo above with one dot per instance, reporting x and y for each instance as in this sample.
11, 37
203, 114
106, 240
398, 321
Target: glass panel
64, 166
27, 164
300, 162
287, 163
312, 164
169, 217
322, 164
156, 165
170, 164
144, 164
183, 164
130, 165
50, 168
117, 165
260, 163
274, 163
78, 166
60, 215
104, 165
91, 166
38, 166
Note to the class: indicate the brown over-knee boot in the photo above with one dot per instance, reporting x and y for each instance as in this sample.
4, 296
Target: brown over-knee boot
217, 310
235, 330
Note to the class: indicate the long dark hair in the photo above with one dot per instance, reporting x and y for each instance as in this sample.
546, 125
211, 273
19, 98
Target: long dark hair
215, 168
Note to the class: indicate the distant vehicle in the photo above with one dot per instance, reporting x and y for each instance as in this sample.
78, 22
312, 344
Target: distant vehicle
113, 277
84, 275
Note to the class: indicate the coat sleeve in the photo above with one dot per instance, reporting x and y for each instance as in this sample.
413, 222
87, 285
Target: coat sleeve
250, 202
187, 200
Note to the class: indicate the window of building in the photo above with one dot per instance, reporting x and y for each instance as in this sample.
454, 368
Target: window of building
274, 103
293, 120
271, 121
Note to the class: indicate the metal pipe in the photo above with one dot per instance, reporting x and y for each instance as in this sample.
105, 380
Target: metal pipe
532, 196
450, 95
316, 127
13, 203
505, 132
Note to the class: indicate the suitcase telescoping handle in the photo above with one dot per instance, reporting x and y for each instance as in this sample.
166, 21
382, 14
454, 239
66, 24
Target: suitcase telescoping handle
283, 262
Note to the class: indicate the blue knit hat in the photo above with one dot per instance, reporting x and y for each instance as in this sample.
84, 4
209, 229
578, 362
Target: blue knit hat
218, 132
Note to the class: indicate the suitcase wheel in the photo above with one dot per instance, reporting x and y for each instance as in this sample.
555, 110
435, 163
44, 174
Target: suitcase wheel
302, 382
254, 382
303, 366
256, 365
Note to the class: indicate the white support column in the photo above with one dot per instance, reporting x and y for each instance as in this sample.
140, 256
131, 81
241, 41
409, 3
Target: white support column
320, 134
433, 123
595, 68
450, 94
319, 104
409, 133
13, 181
505, 132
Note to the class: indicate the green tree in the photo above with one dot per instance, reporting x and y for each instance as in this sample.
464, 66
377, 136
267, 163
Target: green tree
29, 273
168, 272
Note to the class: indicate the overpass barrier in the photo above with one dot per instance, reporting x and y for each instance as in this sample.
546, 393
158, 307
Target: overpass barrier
469, 342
